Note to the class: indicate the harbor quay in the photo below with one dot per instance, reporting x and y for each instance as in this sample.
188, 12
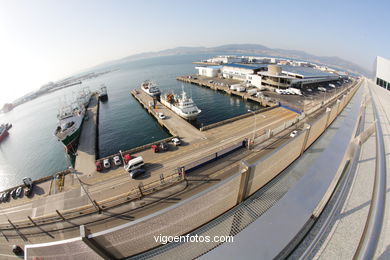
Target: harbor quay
219, 84
116, 181
82, 195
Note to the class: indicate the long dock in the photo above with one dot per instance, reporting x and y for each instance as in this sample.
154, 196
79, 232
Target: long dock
176, 125
85, 159
223, 85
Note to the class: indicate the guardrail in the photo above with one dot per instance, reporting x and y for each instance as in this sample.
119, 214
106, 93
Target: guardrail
372, 230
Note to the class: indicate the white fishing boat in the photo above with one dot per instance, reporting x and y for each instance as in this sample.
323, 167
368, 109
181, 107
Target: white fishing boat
182, 105
150, 88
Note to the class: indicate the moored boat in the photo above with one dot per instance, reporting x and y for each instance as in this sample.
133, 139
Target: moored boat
182, 105
3, 132
103, 93
70, 120
150, 88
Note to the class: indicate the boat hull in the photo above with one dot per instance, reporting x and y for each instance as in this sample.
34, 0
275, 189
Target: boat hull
71, 141
3, 135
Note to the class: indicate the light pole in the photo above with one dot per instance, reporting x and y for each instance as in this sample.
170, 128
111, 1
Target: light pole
254, 126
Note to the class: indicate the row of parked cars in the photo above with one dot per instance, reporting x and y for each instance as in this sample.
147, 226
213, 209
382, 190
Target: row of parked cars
18, 192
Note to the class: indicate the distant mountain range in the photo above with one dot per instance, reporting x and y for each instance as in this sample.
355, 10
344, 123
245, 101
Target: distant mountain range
253, 49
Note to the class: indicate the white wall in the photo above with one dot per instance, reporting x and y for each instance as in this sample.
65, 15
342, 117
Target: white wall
236, 73
207, 72
383, 68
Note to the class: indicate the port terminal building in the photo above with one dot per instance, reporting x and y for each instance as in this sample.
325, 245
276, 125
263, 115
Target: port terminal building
382, 72
271, 76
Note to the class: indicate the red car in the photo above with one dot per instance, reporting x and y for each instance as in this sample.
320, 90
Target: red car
99, 166
127, 158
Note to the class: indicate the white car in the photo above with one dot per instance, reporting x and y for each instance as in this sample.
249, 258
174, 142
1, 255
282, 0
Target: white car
106, 163
19, 192
161, 116
294, 133
117, 160
176, 141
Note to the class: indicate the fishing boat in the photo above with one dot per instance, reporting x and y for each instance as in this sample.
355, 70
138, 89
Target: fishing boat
150, 88
182, 105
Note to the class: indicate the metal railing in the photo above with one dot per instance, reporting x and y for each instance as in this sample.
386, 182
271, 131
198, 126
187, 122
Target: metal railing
370, 237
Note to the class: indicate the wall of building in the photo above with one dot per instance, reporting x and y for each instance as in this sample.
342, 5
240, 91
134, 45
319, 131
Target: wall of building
382, 72
236, 73
208, 71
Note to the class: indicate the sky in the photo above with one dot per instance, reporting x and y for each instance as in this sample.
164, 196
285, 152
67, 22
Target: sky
44, 40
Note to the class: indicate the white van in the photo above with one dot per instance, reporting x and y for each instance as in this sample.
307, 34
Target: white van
135, 163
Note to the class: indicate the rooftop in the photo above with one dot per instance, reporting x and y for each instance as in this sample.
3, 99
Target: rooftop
246, 66
306, 72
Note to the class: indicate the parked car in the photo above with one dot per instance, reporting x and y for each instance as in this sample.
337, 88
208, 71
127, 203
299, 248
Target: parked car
99, 166
28, 191
161, 116
127, 158
13, 193
294, 133
137, 172
155, 148
106, 163
17, 250
6, 195
19, 192
1, 197
163, 146
27, 181
117, 160
176, 141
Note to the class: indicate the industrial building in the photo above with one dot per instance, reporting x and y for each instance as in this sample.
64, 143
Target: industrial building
382, 72
271, 75
241, 71
210, 71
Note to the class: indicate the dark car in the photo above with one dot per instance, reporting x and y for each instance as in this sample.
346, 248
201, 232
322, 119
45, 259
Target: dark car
17, 250
6, 195
137, 172
163, 146
13, 193
2, 197
28, 191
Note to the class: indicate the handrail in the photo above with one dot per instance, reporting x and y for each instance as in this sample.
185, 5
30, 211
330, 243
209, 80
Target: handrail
370, 237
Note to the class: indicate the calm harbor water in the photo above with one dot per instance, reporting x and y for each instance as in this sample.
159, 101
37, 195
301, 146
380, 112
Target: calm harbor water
32, 150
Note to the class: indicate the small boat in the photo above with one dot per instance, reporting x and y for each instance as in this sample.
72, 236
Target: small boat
150, 88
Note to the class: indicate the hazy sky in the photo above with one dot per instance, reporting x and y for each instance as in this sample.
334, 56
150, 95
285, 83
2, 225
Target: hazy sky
42, 41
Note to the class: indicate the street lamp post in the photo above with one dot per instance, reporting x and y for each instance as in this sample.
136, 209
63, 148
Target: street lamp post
254, 126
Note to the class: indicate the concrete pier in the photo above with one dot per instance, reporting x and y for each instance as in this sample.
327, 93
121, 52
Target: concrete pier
223, 85
176, 125
85, 160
